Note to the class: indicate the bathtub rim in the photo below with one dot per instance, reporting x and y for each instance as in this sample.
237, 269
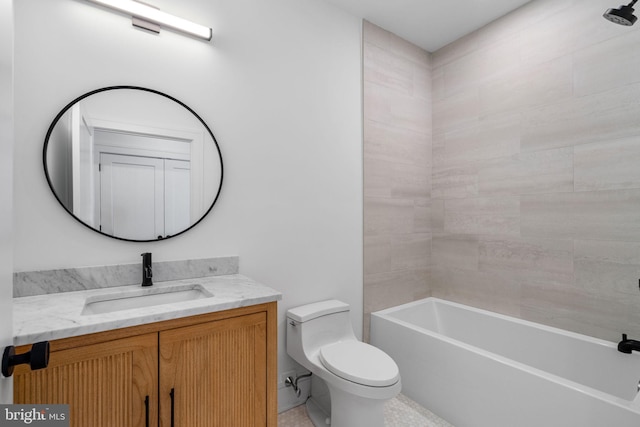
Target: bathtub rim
632, 405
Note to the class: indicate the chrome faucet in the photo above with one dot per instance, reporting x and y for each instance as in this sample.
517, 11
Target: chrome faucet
147, 272
627, 345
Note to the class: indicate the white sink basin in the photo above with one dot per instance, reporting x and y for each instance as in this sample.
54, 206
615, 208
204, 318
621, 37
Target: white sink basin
143, 297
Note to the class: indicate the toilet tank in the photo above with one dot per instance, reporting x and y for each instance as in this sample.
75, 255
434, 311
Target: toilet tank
312, 326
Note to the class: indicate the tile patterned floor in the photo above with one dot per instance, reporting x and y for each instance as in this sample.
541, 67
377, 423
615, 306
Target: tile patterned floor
399, 412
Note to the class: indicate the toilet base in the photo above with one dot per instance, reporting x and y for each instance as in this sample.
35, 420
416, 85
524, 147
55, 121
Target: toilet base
316, 414
348, 410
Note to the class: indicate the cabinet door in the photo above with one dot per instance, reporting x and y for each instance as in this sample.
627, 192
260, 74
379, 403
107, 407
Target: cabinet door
218, 374
105, 385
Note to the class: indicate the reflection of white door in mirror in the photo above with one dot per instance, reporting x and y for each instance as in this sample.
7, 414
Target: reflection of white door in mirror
144, 197
177, 186
131, 196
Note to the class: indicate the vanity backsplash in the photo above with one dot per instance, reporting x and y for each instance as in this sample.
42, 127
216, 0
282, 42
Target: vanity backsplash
31, 283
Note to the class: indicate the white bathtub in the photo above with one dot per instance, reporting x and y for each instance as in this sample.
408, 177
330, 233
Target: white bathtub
475, 368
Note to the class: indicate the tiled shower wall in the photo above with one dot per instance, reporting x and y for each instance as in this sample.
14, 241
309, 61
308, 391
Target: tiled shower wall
527, 201
397, 171
535, 196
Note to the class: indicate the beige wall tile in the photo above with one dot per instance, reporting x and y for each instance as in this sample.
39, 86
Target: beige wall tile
384, 290
538, 259
526, 87
377, 254
385, 68
384, 216
579, 311
482, 215
455, 251
456, 111
422, 216
600, 117
396, 144
547, 171
455, 181
478, 289
607, 65
606, 215
411, 251
485, 138
608, 165
385, 105
608, 268
397, 171
437, 215
410, 181
377, 178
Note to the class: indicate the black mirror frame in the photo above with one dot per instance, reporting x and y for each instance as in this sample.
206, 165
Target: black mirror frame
104, 89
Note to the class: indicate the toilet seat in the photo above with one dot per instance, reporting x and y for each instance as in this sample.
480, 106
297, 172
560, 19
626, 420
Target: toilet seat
360, 363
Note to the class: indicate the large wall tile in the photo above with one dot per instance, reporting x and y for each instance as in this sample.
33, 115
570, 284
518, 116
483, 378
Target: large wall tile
600, 117
548, 82
608, 268
388, 289
410, 251
388, 216
455, 181
600, 215
607, 65
609, 165
538, 259
396, 144
422, 216
482, 215
487, 137
385, 68
385, 105
397, 156
455, 251
581, 311
478, 289
456, 111
547, 171
437, 215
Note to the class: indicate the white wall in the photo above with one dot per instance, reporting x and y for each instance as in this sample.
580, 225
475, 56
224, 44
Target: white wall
6, 171
279, 87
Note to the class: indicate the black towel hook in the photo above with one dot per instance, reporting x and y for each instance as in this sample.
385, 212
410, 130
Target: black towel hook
37, 358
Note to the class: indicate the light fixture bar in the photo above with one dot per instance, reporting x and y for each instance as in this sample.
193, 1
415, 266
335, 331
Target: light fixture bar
156, 16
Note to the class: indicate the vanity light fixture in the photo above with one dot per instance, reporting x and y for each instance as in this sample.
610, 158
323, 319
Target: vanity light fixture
144, 14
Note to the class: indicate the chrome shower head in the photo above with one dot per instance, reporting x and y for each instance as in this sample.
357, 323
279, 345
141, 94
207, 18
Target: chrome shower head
623, 15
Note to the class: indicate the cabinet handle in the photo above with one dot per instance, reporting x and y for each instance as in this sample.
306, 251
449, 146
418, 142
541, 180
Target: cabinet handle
172, 394
146, 410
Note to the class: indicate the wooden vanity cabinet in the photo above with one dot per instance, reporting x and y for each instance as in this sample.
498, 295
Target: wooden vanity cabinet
217, 369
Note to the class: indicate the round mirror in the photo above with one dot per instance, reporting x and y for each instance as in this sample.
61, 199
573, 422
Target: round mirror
133, 163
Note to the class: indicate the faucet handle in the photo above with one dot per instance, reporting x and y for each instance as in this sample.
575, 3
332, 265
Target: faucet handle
624, 337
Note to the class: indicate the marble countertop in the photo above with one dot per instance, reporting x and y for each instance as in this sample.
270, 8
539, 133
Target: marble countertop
55, 316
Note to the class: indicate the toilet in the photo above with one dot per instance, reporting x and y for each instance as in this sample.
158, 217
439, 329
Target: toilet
359, 376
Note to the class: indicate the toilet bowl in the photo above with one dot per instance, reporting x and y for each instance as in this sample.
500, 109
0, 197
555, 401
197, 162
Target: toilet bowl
359, 376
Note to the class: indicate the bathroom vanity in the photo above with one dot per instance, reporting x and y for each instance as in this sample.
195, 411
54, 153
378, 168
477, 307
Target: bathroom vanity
202, 362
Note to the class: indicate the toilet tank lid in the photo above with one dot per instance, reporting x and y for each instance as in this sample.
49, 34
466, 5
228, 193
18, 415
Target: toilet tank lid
317, 309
